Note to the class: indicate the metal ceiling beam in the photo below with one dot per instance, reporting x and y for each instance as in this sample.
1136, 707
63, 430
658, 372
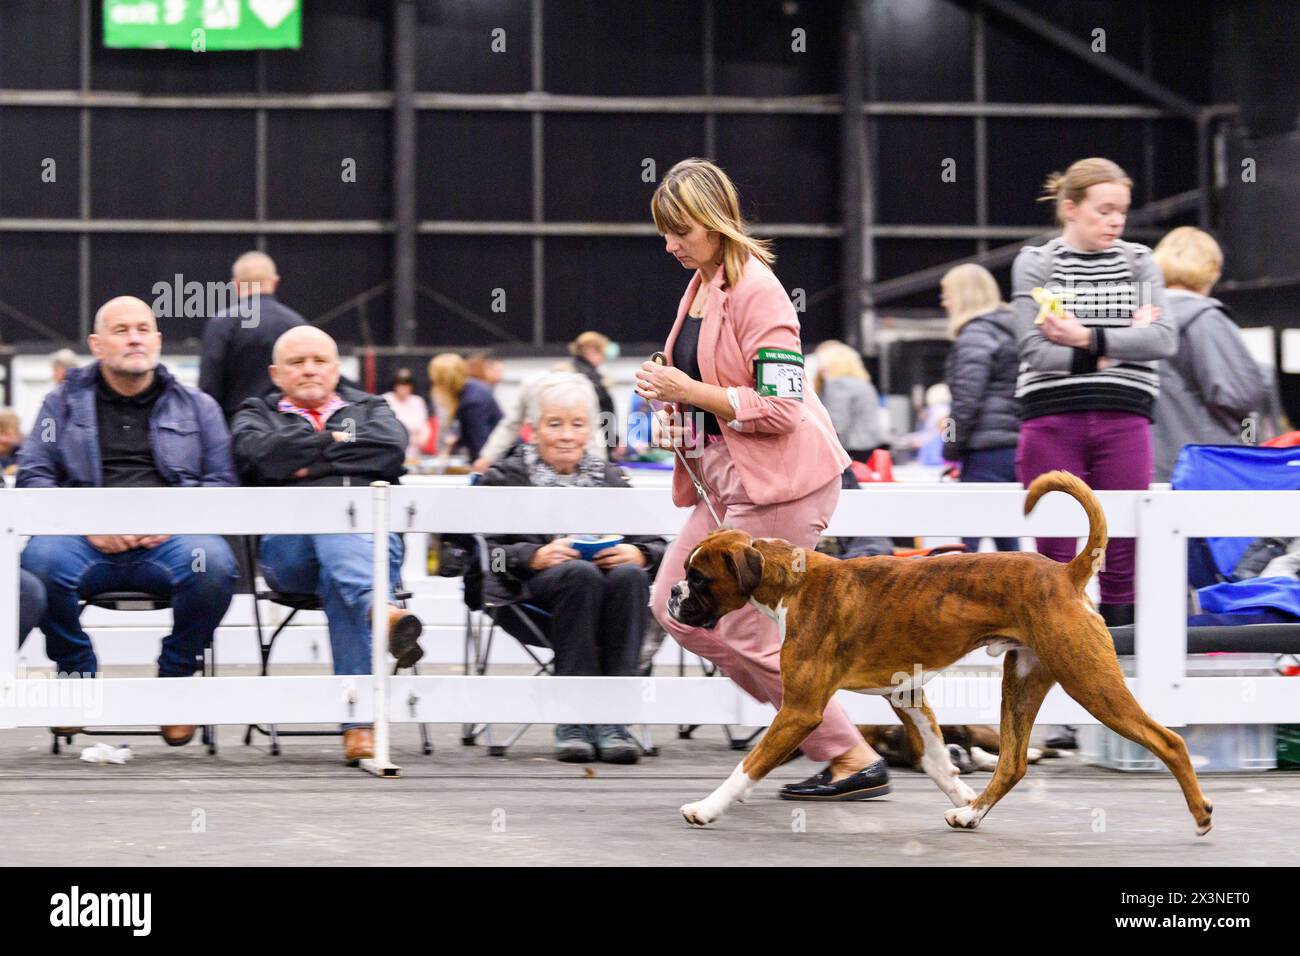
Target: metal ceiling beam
451, 227
558, 103
1105, 63
929, 278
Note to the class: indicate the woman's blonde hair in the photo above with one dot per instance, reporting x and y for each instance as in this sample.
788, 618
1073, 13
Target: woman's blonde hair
1074, 182
697, 191
1189, 258
592, 340
447, 375
972, 291
837, 360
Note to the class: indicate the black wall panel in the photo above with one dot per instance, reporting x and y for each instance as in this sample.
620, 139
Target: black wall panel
786, 167
475, 166
158, 164
467, 270
306, 155
29, 137
595, 163
37, 271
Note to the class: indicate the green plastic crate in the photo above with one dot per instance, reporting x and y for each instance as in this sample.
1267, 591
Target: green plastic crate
1288, 746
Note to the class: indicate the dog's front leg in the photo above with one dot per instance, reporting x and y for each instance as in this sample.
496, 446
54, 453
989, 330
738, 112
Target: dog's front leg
735, 787
788, 730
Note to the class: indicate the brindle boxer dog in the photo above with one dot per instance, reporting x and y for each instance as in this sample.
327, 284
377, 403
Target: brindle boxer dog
860, 624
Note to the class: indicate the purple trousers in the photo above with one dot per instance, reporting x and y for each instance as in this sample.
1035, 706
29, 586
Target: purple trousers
1110, 451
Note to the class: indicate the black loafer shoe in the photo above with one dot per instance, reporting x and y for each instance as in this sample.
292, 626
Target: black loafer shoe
1064, 740
872, 781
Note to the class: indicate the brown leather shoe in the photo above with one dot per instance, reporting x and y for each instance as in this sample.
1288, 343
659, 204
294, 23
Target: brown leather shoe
178, 735
404, 630
358, 744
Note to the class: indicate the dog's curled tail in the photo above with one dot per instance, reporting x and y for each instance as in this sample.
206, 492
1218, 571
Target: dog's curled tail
1086, 562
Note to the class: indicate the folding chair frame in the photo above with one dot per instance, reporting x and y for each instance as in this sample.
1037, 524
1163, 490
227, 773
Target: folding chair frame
137, 601
295, 603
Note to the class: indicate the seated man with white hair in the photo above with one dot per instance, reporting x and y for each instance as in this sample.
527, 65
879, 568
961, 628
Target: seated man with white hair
313, 432
599, 609
125, 421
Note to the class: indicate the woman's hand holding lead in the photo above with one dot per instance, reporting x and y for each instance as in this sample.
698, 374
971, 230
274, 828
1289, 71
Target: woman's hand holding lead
662, 383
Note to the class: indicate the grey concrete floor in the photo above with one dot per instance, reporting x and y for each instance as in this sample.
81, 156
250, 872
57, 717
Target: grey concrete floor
461, 807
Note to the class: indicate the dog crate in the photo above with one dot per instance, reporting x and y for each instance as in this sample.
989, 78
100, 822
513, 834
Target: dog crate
1212, 747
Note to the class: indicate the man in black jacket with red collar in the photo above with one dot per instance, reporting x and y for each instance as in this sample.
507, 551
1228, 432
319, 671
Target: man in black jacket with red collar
311, 431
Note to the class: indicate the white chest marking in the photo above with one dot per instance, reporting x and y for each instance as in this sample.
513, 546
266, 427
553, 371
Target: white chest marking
775, 614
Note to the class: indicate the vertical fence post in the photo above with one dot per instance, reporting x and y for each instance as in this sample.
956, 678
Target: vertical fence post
380, 765
1161, 632
8, 615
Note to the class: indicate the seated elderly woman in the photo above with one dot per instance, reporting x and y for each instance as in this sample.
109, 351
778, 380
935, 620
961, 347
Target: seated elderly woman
598, 609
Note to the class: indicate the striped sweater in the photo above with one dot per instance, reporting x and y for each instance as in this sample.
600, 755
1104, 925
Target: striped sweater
1103, 290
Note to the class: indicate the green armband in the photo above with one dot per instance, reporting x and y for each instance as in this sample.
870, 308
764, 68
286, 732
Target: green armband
778, 373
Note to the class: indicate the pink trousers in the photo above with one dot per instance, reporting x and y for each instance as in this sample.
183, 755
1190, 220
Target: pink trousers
745, 644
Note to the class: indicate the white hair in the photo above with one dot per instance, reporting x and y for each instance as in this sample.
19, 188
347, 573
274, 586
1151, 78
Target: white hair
567, 390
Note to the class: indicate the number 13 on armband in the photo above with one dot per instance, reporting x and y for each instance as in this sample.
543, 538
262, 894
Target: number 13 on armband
778, 373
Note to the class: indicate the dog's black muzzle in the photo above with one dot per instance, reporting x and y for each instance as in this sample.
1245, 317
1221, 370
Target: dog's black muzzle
689, 612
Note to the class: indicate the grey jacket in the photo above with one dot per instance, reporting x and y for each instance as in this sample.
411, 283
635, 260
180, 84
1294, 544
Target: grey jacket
1135, 344
981, 371
854, 408
1209, 387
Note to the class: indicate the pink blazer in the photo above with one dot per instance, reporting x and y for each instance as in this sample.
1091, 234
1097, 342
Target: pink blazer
783, 448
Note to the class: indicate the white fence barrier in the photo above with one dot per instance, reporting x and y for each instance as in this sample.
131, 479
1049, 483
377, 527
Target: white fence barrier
1161, 521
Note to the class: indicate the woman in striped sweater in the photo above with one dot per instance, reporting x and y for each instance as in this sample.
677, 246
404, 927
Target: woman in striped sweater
1088, 380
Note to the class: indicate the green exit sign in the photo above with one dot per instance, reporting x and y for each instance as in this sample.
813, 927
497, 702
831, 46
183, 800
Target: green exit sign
202, 25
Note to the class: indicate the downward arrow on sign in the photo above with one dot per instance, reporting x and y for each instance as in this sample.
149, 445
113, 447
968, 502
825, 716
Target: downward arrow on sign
272, 12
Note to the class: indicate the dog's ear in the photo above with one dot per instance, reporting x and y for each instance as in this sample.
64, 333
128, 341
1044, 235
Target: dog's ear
747, 567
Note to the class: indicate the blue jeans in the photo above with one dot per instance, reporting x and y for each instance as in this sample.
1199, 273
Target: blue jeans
337, 568
990, 464
31, 603
196, 572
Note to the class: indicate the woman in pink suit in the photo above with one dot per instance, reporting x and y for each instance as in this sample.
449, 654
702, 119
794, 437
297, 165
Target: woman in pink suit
757, 436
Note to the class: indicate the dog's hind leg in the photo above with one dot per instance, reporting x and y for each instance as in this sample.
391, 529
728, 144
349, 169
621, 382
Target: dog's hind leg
923, 730
803, 704
1101, 690
1025, 682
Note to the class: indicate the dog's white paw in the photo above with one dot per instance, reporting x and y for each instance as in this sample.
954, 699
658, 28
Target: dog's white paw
1033, 755
963, 818
982, 759
699, 814
964, 793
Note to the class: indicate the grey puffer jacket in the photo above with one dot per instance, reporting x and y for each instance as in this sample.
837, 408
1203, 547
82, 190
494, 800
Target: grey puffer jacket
981, 372
1210, 387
